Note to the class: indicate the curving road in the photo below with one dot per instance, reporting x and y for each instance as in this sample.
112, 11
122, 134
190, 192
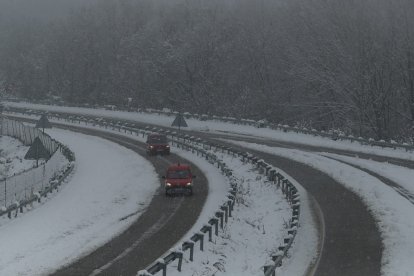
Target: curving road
165, 221
352, 243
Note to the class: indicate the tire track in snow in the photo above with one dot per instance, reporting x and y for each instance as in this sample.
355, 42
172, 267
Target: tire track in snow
401, 190
118, 256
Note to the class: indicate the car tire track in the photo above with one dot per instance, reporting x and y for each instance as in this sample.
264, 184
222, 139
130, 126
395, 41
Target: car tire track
118, 257
394, 185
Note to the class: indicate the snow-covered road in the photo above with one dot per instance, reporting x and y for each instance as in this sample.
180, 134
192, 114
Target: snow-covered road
110, 182
393, 215
85, 209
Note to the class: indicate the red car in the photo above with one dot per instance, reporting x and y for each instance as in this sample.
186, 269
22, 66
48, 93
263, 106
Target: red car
179, 179
157, 144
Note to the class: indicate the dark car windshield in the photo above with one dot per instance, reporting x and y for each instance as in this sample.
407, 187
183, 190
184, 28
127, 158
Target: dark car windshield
181, 174
157, 139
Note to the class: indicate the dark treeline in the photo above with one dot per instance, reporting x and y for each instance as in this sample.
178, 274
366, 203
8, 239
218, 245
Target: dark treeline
320, 63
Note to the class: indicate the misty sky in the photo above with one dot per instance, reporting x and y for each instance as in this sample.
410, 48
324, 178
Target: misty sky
37, 8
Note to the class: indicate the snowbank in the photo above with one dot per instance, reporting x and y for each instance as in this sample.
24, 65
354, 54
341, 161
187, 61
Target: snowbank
394, 214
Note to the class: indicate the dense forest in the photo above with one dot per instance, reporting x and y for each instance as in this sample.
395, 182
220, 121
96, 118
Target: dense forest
320, 63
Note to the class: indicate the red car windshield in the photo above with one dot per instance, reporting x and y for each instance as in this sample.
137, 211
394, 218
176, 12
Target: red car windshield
181, 174
157, 139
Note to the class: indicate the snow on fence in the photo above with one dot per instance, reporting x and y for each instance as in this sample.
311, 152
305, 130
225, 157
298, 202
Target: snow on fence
221, 216
27, 134
21, 189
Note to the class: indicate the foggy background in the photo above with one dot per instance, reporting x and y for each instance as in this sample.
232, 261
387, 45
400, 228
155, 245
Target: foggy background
318, 63
39, 9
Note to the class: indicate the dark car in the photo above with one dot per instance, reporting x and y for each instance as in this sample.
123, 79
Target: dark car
179, 179
157, 144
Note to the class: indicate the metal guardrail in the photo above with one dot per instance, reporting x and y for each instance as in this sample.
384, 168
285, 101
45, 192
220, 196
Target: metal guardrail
221, 216
256, 123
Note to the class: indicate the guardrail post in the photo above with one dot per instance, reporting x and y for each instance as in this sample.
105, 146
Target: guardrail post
295, 211
293, 192
200, 237
215, 222
233, 191
268, 170
288, 191
294, 222
163, 265
268, 267
179, 255
284, 182
189, 245
292, 230
208, 228
225, 208
271, 176
295, 199
287, 186
287, 240
220, 214
230, 204
280, 178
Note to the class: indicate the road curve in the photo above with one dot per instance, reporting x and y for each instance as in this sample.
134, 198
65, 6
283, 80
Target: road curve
310, 148
165, 221
352, 244
397, 187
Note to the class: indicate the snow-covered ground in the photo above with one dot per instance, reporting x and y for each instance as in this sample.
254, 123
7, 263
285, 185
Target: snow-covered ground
262, 211
110, 182
227, 128
394, 214
12, 153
